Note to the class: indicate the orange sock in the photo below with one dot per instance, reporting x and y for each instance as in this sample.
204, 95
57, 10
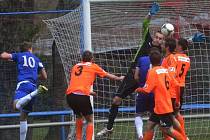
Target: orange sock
79, 124
166, 137
148, 135
89, 131
177, 135
180, 118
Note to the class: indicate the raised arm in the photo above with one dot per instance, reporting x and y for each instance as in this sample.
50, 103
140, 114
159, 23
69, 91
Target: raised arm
154, 9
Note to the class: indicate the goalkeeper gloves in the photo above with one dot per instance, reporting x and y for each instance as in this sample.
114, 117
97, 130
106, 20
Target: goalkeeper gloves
198, 37
154, 9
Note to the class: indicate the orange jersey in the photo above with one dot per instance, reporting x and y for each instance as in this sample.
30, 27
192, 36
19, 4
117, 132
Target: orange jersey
183, 66
170, 63
158, 82
83, 76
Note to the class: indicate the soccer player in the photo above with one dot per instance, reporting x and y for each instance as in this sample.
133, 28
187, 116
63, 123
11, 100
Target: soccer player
144, 102
129, 84
78, 92
28, 66
170, 63
183, 65
159, 82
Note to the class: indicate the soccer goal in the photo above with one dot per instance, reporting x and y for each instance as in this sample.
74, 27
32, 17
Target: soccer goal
112, 29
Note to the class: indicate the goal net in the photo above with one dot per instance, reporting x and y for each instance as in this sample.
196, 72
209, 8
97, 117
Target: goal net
116, 32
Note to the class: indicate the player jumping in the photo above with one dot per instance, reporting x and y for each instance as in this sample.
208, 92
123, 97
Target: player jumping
28, 66
129, 84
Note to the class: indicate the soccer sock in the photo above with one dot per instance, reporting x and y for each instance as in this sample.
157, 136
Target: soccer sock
139, 125
23, 130
89, 131
112, 115
166, 137
148, 135
24, 100
180, 118
177, 135
34, 93
79, 124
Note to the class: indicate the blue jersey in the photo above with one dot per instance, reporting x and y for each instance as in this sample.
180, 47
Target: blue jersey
144, 65
28, 66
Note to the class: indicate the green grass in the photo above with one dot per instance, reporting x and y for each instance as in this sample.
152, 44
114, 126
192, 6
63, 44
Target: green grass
197, 129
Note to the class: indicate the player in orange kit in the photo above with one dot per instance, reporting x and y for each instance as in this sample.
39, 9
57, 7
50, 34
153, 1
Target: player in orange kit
159, 82
183, 66
78, 92
170, 62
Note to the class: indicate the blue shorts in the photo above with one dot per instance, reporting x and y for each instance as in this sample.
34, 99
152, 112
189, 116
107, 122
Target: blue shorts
22, 90
144, 102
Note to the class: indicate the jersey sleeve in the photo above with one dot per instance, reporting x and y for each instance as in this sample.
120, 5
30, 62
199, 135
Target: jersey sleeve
164, 64
99, 71
139, 62
15, 57
150, 82
146, 23
40, 65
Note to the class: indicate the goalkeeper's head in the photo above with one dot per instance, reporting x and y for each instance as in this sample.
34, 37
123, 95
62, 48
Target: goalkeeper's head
26, 47
158, 39
87, 56
182, 45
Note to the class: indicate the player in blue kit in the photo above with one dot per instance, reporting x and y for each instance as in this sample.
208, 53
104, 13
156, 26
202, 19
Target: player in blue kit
144, 102
28, 66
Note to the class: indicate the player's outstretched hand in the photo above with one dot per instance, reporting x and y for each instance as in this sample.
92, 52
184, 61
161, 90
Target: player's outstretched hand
198, 37
138, 90
154, 9
122, 77
93, 93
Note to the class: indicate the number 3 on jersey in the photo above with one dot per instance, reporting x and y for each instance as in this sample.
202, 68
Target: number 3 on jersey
28, 62
79, 71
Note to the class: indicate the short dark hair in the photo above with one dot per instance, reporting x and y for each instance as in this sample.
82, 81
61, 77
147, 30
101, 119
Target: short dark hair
183, 43
155, 57
154, 48
159, 32
87, 56
171, 43
25, 46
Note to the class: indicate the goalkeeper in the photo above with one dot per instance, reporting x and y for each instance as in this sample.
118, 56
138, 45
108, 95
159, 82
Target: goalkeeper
129, 84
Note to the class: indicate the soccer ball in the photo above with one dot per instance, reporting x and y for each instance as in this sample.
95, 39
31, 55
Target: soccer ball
167, 29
